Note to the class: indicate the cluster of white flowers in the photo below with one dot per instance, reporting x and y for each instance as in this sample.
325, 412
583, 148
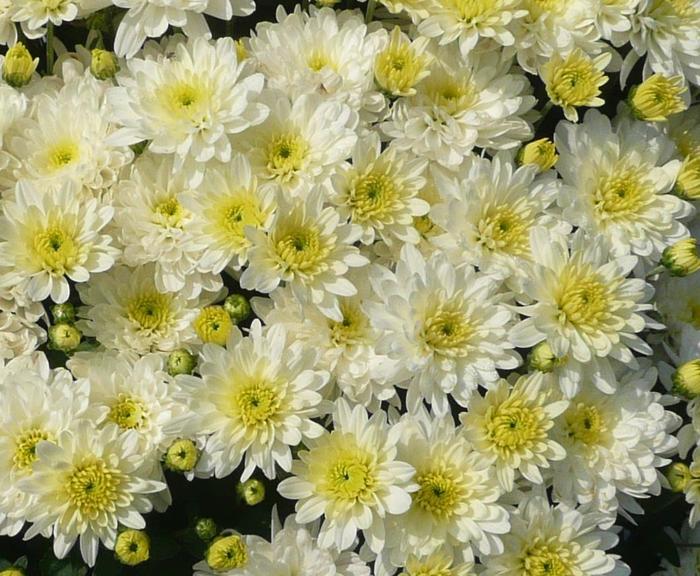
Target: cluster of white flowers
467, 341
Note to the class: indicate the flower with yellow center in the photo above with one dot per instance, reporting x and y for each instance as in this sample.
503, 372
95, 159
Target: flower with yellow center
48, 237
132, 547
35, 15
401, 64
213, 325
658, 97
94, 477
231, 553
542, 153
128, 412
182, 456
256, 398
575, 80
227, 553
352, 477
309, 249
511, 426
440, 563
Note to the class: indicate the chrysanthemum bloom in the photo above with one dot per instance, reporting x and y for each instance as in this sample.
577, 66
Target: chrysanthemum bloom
542, 153
615, 445
35, 15
326, 52
85, 485
213, 325
554, 540
301, 143
443, 561
40, 404
512, 427
231, 554
614, 20
401, 64
352, 477
460, 105
488, 210
456, 503
307, 248
445, 327
228, 200
47, 237
124, 310
379, 192
583, 303
467, 21
187, 104
574, 80
152, 225
658, 97
256, 397
617, 184
20, 332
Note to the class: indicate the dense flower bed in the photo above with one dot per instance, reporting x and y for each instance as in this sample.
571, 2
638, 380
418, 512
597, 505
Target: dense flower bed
403, 287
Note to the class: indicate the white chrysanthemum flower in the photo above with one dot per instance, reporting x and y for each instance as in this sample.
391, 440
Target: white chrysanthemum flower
228, 201
187, 104
13, 105
65, 138
488, 210
20, 332
324, 52
615, 444
347, 346
48, 236
151, 225
556, 28
614, 20
309, 249
456, 503
351, 477
617, 184
379, 192
151, 18
124, 310
584, 305
554, 540
257, 398
301, 143
8, 31
39, 404
85, 485
467, 21
512, 427
34, 15
668, 33
460, 105
444, 325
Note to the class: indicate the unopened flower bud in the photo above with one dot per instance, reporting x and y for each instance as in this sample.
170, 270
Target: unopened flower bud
104, 64
688, 182
681, 259
132, 547
237, 307
227, 553
213, 325
181, 362
18, 68
64, 337
542, 358
182, 456
251, 491
540, 152
686, 379
678, 476
206, 529
659, 96
63, 313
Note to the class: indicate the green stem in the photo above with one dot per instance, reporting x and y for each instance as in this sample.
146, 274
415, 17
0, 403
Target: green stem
305, 5
371, 5
49, 48
654, 271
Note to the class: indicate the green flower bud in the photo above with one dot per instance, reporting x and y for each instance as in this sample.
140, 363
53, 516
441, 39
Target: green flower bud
681, 259
64, 337
63, 313
251, 491
540, 152
213, 325
238, 308
18, 68
657, 98
686, 379
181, 362
542, 358
678, 476
206, 529
132, 547
182, 456
104, 64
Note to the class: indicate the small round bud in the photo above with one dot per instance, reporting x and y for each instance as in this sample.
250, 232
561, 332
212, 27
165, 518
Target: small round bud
227, 553
206, 529
18, 68
181, 362
63, 313
542, 358
238, 308
659, 96
681, 259
686, 379
688, 182
182, 456
540, 152
104, 64
64, 337
132, 547
678, 476
213, 325
251, 491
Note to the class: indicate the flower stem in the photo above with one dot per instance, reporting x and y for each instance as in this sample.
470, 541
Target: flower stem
49, 48
371, 5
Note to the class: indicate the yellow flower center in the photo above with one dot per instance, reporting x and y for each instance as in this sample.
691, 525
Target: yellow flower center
302, 249
438, 492
93, 487
227, 553
447, 331
473, 11
453, 95
128, 412
514, 426
585, 424
424, 225
398, 68
584, 299
170, 213
318, 60
343, 471
213, 325
352, 329
546, 559
63, 154
537, 8
257, 404
286, 155
233, 215
374, 196
503, 228
621, 194
658, 97
56, 250
350, 479
150, 310
132, 547
25, 447
187, 101
575, 81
